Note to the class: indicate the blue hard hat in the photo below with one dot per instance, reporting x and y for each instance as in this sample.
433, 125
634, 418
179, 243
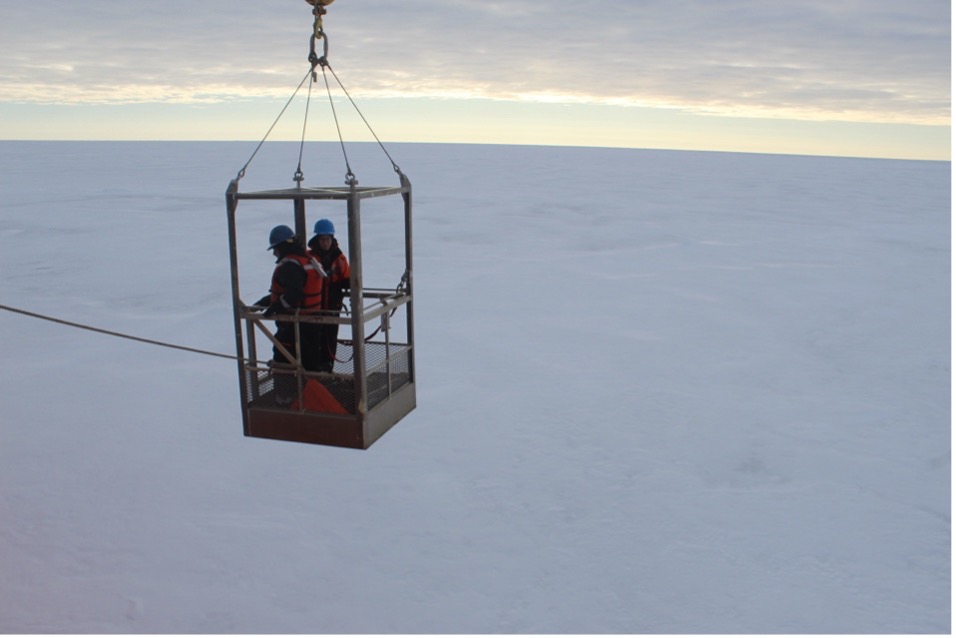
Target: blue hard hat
324, 227
279, 235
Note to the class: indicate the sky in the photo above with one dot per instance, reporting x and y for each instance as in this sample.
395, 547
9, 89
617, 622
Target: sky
866, 78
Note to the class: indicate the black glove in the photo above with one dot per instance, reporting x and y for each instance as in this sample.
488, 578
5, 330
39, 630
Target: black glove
264, 302
274, 309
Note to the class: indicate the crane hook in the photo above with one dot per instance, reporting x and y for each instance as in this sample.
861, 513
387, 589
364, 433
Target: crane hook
319, 10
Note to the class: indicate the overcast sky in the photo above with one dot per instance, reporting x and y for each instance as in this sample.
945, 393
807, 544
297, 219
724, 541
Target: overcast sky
853, 77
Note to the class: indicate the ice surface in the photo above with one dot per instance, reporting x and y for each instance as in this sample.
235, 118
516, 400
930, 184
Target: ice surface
658, 392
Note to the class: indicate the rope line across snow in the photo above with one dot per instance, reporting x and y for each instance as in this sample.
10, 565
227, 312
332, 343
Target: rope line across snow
112, 333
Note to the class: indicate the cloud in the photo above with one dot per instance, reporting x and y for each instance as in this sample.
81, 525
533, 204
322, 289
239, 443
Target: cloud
857, 60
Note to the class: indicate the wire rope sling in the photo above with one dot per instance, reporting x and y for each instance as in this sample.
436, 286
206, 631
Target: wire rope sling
290, 388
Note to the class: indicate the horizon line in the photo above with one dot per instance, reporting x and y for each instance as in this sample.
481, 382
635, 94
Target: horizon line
453, 143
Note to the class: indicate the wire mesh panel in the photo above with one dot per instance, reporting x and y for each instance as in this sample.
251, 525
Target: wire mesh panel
390, 374
388, 371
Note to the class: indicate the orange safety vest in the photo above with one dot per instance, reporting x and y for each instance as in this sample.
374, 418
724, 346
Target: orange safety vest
342, 273
311, 292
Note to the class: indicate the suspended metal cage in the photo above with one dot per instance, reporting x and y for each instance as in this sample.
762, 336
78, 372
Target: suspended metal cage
372, 383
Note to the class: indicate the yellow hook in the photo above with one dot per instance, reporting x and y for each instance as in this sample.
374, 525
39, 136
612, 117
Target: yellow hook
319, 11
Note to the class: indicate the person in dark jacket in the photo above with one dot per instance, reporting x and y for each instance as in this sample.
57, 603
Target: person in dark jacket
296, 287
325, 249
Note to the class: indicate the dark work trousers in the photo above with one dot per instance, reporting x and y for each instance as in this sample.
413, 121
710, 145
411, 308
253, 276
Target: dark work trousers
310, 338
329, 341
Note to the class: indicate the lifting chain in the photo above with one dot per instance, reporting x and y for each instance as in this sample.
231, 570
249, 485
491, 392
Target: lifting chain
318, 33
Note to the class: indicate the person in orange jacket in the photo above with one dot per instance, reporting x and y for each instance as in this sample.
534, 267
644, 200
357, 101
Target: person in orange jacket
325, 249
296, 286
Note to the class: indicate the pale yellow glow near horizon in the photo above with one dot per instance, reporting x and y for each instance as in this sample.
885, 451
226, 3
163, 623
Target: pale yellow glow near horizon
479, 121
